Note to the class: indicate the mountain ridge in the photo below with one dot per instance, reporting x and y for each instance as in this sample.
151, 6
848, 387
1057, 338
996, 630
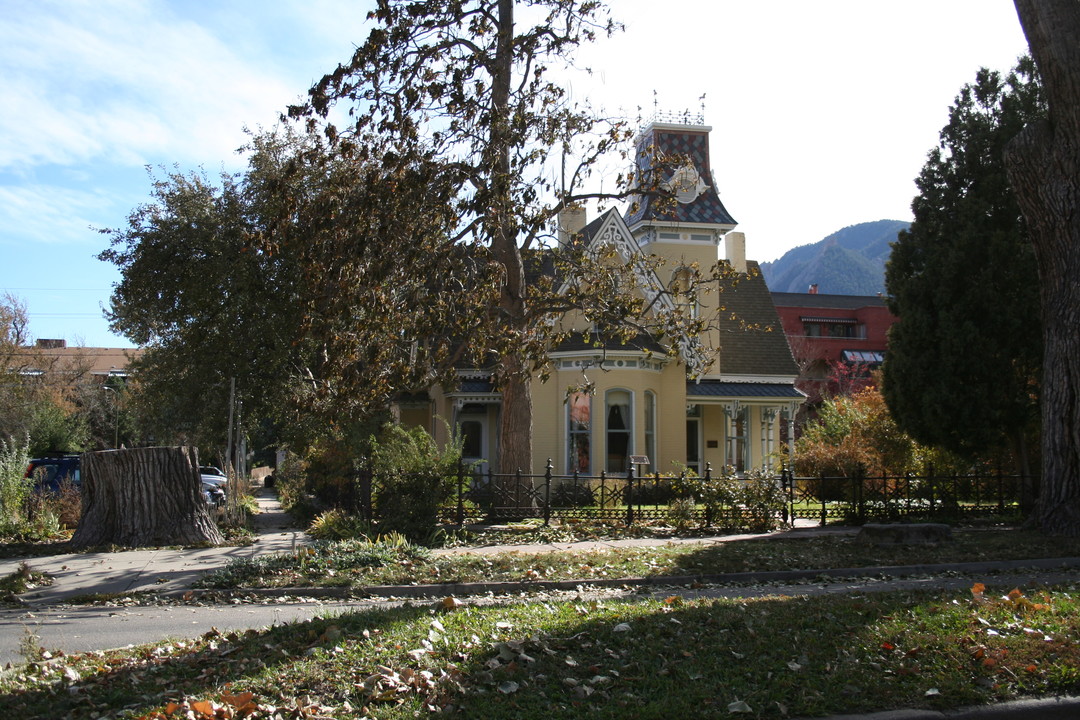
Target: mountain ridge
850, 261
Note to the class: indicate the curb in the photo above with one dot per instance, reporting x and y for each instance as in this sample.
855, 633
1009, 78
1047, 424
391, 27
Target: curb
1064, 707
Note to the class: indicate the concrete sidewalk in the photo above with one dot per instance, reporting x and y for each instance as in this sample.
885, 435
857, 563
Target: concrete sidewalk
157, 569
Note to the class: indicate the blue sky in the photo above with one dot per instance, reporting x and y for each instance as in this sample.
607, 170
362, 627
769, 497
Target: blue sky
822, 112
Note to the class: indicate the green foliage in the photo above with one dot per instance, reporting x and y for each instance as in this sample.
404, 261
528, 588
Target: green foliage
753, 499
963, 367
412, 479
336, 524
853, 434
15, 487
681, 512
56, 428
291, 484
208, 307
315, 560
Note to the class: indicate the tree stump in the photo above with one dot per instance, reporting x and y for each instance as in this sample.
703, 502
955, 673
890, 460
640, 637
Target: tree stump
143, 497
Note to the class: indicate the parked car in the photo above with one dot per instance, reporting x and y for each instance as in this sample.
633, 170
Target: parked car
50, 471
212, 475
213, 494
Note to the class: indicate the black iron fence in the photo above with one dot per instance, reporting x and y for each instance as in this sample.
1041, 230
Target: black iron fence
471, 496
864, 498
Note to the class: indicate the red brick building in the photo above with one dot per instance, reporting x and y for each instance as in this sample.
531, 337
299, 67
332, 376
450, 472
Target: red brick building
835, 339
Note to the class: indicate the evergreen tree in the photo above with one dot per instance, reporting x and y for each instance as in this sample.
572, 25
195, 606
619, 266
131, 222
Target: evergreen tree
963, 364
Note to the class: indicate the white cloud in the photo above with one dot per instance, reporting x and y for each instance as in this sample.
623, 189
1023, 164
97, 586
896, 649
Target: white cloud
127, 82
52, 215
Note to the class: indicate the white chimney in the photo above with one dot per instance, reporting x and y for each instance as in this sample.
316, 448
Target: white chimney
735, 247
572, 220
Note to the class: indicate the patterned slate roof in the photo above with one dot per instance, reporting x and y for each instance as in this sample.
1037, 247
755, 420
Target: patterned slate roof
721, 388
763, 349
658, 141
475, 386
592, 341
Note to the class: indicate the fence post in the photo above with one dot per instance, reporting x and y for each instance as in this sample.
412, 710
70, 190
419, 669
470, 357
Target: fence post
1000, 491
517, 491
547, 492
708, 506
786, 482
859, 488
365, 494
629, 497
460, 493
821, 497
931, 481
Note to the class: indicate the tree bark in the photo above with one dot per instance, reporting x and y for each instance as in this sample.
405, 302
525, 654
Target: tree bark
515, 423
143, 497
1043, 163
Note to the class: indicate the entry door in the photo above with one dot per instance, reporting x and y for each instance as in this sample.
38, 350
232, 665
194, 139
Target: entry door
474, 433
693, 444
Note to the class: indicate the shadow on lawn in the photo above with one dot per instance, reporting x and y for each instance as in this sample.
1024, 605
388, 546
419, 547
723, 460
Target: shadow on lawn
141, 680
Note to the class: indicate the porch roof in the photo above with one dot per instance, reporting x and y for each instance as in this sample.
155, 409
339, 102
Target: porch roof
724, 389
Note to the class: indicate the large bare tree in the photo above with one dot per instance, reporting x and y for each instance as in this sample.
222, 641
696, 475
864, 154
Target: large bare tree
1043, 164
453, 123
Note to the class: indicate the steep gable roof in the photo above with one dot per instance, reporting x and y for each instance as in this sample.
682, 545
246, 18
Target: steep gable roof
760, 347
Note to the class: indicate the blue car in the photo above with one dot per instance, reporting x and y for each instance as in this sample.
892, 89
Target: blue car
49, 472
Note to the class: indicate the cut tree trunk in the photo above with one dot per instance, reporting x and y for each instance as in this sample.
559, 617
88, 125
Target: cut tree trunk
143, 497
1043, 164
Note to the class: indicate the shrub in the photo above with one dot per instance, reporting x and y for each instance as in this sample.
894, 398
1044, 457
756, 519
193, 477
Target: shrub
412, 479
762, 499
336, 524
572, 494
754, 501
15, 487
681, 512
290, 481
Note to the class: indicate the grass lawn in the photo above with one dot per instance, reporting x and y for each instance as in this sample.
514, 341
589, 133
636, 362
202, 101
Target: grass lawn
765, 658
360, 564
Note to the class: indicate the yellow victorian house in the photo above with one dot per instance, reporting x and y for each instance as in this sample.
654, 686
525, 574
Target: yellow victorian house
731, 405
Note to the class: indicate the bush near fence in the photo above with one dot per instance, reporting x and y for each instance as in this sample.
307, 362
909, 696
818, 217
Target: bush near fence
755, 501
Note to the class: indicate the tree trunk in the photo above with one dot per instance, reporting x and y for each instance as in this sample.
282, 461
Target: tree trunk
143, 497
1043, 163
515, 426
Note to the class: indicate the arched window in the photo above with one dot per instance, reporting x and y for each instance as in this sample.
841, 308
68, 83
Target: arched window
618, 422
579, 434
